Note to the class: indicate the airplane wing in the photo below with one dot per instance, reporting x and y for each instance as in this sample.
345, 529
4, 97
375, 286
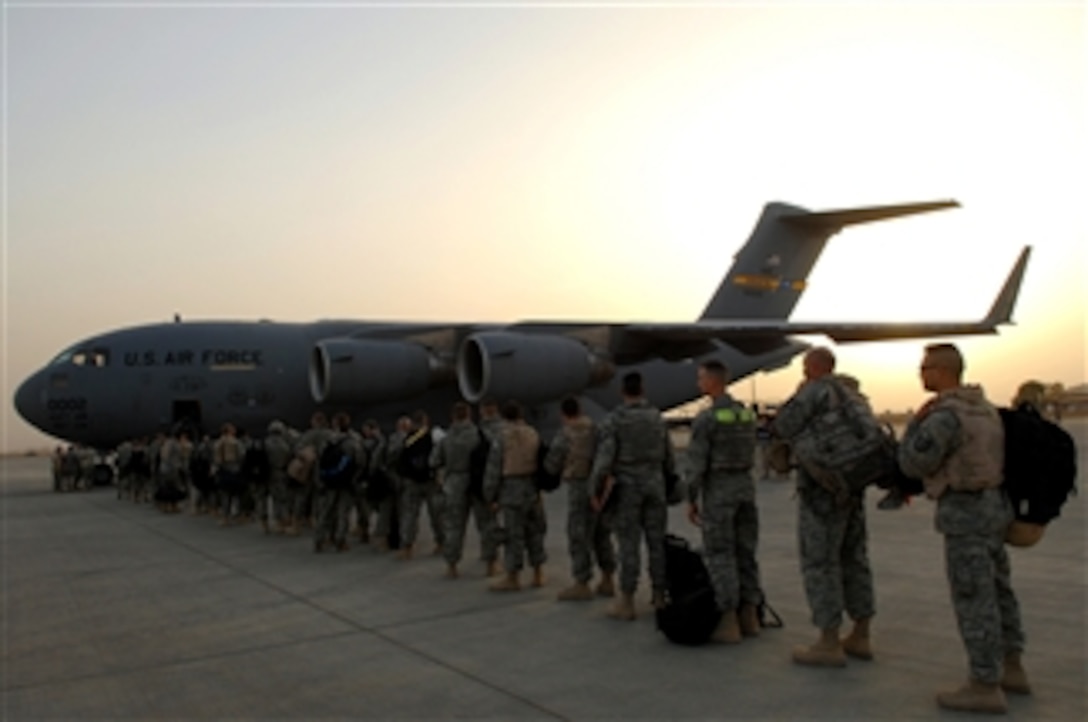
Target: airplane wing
741, 330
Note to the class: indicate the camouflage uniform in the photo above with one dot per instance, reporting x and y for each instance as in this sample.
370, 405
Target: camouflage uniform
306, 494
514, 488
394, 446
453, 454
333, 503
384, 507
278, 450
124, 476
487, 523
960, 459
88, 459
589, 535
720, 458
169, 467
416, 493
358, 487
228, 454
633, 447
833, 537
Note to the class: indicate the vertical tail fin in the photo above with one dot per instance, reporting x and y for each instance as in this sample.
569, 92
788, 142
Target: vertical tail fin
770, 271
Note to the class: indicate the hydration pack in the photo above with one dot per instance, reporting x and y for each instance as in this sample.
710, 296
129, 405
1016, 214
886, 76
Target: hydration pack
543, 480
1040, 464
477, 465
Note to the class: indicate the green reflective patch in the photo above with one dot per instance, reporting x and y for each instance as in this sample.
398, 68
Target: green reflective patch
725, 416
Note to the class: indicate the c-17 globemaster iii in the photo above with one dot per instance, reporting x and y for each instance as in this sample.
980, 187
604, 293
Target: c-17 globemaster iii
132, 382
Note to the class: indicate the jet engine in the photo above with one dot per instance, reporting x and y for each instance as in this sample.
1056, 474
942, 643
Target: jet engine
362, 371
528, 367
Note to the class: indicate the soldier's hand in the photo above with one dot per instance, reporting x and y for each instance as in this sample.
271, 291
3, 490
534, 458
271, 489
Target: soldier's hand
693, 514
595, 504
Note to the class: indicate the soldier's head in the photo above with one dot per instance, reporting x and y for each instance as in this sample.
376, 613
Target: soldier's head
404, 424
942, 367
1030, 392
460, 412
420, 420
631, 385
341, 422
511, 411
489, 409
227, 430
711, 377
818, 362
570, 408
319, 420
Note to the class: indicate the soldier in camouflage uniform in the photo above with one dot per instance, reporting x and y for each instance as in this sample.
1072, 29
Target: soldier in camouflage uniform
589, 535
509, 485
487, 523
227, 456
278, 450
451, 458
124, 476
833, 537
378, 484
720, 458
955, 444
170, 482
333, 499
633, 448
417, 485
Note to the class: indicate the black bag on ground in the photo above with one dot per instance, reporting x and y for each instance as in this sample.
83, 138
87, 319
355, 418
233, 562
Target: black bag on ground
690, 614
1040, 464
169, 495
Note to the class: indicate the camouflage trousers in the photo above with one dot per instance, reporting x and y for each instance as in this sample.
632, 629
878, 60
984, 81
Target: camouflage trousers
363, 510
640, 511
525, 523
979, 576
487, 528
333, 515
730, 536
413, 496
384, 513
455, 518
589, 535
834, 557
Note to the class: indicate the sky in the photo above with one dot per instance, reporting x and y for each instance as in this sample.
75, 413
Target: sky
505, 161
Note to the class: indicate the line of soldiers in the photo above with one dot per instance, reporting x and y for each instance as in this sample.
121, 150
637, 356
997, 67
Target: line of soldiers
617, 475
73, 468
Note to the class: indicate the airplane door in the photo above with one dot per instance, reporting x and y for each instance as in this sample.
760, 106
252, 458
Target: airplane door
186, 413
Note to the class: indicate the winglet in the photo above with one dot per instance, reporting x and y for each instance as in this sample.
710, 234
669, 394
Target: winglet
1001, 311
850, 216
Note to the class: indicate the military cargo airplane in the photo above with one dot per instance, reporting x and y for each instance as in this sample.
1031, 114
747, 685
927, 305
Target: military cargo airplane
135, 381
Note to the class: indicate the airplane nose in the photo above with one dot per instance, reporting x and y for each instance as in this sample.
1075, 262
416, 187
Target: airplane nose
28, 400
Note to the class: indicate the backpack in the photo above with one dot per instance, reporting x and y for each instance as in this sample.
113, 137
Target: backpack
1040, 464
337, 465
690, 614
255, 466
846, 449
477, 465
415, 461
300, 466
543, 480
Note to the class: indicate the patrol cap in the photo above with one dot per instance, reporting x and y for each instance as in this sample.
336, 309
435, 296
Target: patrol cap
276, 427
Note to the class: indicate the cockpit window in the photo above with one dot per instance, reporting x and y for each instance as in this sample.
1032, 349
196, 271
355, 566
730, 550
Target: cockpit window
98, 357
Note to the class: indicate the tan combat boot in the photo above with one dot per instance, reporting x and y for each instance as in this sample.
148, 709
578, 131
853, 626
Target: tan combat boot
1015, 679
856, 644
606, 587
975, 696
405, 553
728, 630
509, 583
538, 577
623, 608
577, 592
451, 571
827, 652
749, 620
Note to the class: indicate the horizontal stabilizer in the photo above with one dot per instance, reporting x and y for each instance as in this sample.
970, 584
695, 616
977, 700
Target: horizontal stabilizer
1001, 311
851, 216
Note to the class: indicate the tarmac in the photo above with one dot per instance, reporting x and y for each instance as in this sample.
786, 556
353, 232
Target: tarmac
114, 611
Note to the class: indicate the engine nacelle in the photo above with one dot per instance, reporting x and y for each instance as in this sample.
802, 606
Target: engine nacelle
526, 367
358, 371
